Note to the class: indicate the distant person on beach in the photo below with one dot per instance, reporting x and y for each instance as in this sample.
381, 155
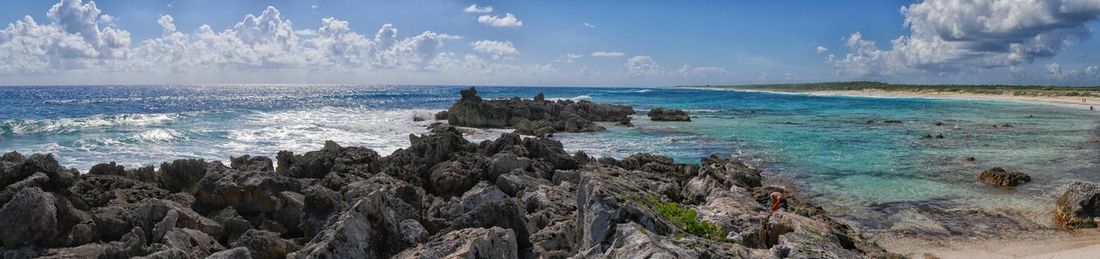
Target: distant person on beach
778, 202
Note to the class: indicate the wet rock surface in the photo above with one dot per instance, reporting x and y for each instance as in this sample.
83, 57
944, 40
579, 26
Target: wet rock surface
1078, 206
1000, 177
442, 197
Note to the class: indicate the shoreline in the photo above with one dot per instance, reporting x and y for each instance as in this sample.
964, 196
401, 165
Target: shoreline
1042, 243
1062, 101
1046, 243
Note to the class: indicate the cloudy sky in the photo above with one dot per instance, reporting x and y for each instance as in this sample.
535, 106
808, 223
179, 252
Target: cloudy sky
557, 43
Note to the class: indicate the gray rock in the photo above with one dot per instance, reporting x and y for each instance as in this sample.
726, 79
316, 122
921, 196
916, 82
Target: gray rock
320, 204
1079, 205
35, 180
165, 225
181, 175
235, 253
154, 211
453, 178
133, 244
195, 243
234, 225
108, 169
246, 191
347, 237
491, 243
166, 254
30, 218
413, 232
265, 244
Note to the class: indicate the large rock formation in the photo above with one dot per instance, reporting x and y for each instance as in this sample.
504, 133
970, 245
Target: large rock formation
534, 116
661, 114
1079, 206
999, 177
442, 197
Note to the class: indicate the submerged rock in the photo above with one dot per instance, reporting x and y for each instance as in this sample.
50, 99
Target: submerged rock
661, 114
1079, 206
999, 177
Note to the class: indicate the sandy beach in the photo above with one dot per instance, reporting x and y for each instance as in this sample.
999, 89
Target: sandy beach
1067, 101
1051, 243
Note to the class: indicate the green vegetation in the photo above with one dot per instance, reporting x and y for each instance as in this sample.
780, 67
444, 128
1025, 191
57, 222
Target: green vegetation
1017, 90
685, 218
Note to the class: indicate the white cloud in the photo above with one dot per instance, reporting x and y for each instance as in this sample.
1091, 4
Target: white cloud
822, 49
508, 20
77, 36
589, 25
642, 66
706, 71
476, 9
569, 58
954, 35
607, 54
498, 49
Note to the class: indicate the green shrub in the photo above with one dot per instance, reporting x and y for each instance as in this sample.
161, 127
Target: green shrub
685, 218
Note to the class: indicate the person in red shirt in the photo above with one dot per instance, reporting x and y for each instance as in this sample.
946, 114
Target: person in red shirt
778, 202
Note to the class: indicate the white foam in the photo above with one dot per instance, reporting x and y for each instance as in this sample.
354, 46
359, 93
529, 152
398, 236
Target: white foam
69, 125
265, 133
574, 98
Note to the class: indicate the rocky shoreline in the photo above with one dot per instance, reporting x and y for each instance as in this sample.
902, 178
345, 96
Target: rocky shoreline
511, 197
442, 197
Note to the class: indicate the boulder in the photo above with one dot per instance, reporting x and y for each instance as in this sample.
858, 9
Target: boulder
233, 224
93, 191
30, 218
453, 177
348, 236
320, 204
133, 244
14, 168
234, 253
491, 243
999, 177
35, 180
1079, 206
246, 191
108, 169
181, 175
265, 244
152, 212
193, 242
661, 114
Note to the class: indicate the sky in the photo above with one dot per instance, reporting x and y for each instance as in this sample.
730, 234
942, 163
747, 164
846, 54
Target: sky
549, 43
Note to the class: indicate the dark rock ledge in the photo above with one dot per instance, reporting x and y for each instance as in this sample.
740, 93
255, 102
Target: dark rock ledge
536, 116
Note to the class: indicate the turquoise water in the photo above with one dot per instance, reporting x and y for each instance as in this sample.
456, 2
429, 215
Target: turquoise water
821, 144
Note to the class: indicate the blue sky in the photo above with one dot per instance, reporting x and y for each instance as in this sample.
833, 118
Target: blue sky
644, 43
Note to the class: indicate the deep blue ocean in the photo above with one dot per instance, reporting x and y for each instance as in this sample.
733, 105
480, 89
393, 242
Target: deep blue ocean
823, 145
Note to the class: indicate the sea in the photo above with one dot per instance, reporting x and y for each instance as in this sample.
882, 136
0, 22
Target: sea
855, 156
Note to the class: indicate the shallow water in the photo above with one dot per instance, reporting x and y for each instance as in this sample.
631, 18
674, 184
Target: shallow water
823, 143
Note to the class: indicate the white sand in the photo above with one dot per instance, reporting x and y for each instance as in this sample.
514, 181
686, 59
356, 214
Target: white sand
1066, 101
1043, 244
